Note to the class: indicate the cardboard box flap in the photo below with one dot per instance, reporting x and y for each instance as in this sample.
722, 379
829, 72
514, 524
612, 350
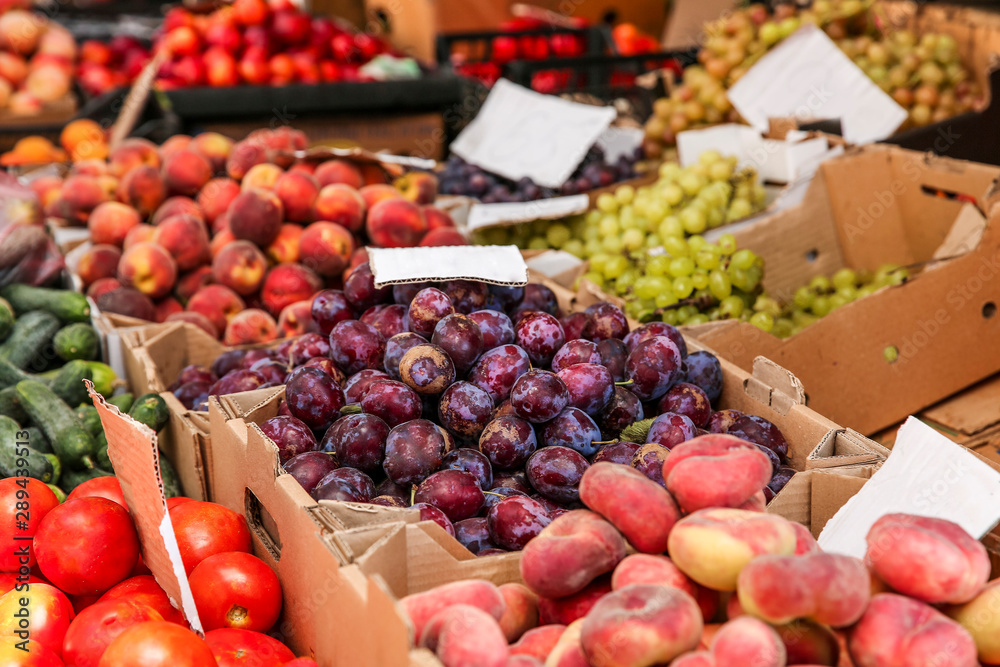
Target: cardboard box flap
773, 385
435, 558
970, 411
964, 235
251, 405
345, 515
356, 545
811, 497
846, 447
394, 638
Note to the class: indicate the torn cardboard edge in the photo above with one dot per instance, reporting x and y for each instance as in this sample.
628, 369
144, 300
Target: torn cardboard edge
498, 265
135, 456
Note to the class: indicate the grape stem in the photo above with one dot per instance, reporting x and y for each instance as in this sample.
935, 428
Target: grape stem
699, 302
626, 383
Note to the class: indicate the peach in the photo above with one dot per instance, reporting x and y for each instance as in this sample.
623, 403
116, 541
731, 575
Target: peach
241, 266
252, 326
338, 171
186, 172
263, 176
651, 569
127, 301
634, 504
420, 187
48, 83
215, 198
639, 626
111, 221
809, 643
900, 631
463, 635
84, 139
712, 546
98, 261
304, 168
164, 308
326, 248
981, 617
695, 659
243, 156
538, 642
755, 503
148, 268
14, 69
395, 223
143, 189
421, 607
131, 154
437, 219
46, 188
828, 588
177, 206
18, 210
287, 283
521, 613
297, 192
20, 30
192, 281
196, 319
256, 216
373, 194
296, 319
285, 247
805, 543
745, 642
220, 241
929, 559
443, 236
568, 652
715, 470
109, 184
175, 144
141, 233
58, 41
569, 553
23, 103
567, 609
185, 239
102, 286
214, 146
341, 204
95, 168
218, 303
81, 195
373, 174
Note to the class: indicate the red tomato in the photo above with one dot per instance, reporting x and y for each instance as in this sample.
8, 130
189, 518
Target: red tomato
144, 590
41, 613
87, 545
233, 647
301, 662
204, 529
236, 590
97, 626
24, 502
157, 644
175, 501
100, 487
37, 655
9, 580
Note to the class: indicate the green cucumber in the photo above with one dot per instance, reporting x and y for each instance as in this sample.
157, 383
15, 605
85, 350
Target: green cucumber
171, 482
60, 494
37, 440
67, 306
10, 406
151, 410
102, 458
71, 442
74, 478
17, 458
123, 402
11, 374
104, 378
31, 335
6, 319
89, 417
68, 382
77, 341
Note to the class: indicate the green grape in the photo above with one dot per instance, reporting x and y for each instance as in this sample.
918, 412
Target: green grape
866, 290
715, 218
699, 279
754, 275
766, 304
710, 157
680, 267
626, 217
820, 284
653, 241
671, 226
821, 306
594, 277
612, 244
720, 171
693, 220
592, 232
647, 287
742, 259
655, 212
836, 301
682, 287
593, 247
538, 243
783, 327
664, 299
684, 313
625, 281
802, 319
691, 182
557, 235
575, 247
607, 203
642, 224
844, 278
598, 261
615, 267
848, 294
625, 194
731, 307
658, 265
593, 216
727, 244
707, 258
609, 226
670, 317
719, 284
738, 209
696, 243
740, 278
632, 239
672, 194
803, 297
762, 321
713, 313
700, 318
676, 246
669, 170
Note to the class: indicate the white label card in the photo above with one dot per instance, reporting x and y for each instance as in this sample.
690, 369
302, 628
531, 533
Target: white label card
808, 77
928, 475
519, 133
492, 215
498, 264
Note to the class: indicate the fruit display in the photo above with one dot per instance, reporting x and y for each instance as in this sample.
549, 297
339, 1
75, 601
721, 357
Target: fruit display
112, 65
37, 58
462, 178
89, 599
738, 587
261, 42
922, 73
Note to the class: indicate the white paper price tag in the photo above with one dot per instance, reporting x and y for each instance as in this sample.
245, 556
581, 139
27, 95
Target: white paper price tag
519, 133
492, 215
498, 264
808, 77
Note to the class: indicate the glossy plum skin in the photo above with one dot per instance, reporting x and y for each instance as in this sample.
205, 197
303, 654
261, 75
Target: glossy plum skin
396, 347
506, 297
688, 400
760, 432
541, 298
360, 290
590, 386
392, 402
577, 351
541, 336
358, 384
670, 429
345, 484
193, 373
427, 308
405, 292
705, 371
291, 436
496, 327
647, 331
194, 395
624, 409
653, 366
616, 452
471, 461
388, 320
474, 534
307, 346
236, 381
606, 321
649, 459
539, 396
575, 325
358, 441
273, 372
719, 422
431, 513
555, 473
466, 295
310, 467
314, 397
413, 451
328, 367
515, 521
461, 338
508, 442
427, 369
455, 492
498, 369
464, 410
575, 429
329, 308
355, 346
229, 360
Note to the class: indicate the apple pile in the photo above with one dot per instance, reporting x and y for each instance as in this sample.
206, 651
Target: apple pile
719, 587
37, 58
261, 42
108, 66
234, 237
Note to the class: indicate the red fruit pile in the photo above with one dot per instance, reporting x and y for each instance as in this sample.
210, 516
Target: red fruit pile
107, 66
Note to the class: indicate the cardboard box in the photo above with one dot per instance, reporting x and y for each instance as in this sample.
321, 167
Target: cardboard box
878, 205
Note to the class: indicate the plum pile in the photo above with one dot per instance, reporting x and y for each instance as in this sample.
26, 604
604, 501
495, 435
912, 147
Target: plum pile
481, 405
462, 178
